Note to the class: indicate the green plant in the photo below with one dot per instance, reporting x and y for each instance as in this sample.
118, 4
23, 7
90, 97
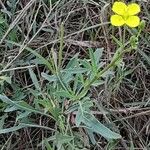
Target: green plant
70, 84
62, 93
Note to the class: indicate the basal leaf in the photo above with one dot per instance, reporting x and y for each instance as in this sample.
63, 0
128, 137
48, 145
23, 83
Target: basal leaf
87, 118
95, 126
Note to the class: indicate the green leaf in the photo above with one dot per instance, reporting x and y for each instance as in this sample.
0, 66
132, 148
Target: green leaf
23, 125
37, 126
86, 117
112, 144
98, 54
12, 129
67, 77
86, 64
10, 109
5, 78
49, 139
75, 70
2, 119
73, 62
50, 78
2, 20
86, 103
22, 105
72, 108
22, 115
98, 83
79, 118
118, 51
64, 94
145, 56
63, 138
47, 145
34, 79
117, 41
78, 82
95, 126
91, 135
93, 61
50, 106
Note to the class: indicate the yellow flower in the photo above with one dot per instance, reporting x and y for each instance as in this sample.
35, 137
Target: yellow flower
125, 14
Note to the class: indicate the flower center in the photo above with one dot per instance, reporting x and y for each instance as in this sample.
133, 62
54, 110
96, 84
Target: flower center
125, 15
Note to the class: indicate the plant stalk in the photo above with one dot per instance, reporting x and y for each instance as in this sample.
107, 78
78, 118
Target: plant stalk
86, 88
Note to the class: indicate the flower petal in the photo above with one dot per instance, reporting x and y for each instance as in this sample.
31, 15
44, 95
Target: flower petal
119, 8
133, 21
117, 20
133, 9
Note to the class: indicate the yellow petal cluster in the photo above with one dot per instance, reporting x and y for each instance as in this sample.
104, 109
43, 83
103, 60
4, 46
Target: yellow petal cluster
125, 14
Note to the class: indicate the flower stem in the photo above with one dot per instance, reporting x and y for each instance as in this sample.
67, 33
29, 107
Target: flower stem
112, 63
